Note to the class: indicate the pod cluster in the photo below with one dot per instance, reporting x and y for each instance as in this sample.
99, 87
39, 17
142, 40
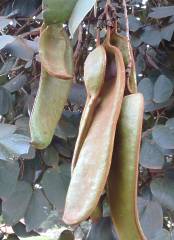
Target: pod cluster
106, 154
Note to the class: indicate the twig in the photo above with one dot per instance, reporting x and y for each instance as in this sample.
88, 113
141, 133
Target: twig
34, 32
131, 61
29, 21
77, 52
126, 19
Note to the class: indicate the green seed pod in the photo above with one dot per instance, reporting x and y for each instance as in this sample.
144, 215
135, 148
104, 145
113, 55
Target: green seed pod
92, 168
48, 107
94, 74
57, 11
122, 43
54, 52
123, 176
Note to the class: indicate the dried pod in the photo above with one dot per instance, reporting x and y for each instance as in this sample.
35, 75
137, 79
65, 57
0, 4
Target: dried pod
94, 74
54, 50
57, 11
123, 176
122, 43
48, 107
92, 168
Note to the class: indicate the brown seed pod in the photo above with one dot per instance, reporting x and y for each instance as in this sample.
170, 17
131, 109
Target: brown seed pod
94, 74
123, 176
92, 168
54, 52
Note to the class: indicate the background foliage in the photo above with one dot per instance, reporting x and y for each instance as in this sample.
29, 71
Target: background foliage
33, 184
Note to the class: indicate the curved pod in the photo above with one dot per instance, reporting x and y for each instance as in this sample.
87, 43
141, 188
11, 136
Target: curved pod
123, 176
92, 168
94, 74
48, 107
54, 50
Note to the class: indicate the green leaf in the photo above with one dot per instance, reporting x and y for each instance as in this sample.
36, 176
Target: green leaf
151, 35
102, 230
52, 220
6, 129
12, 145
6, 68
14, 207
163, 191
51, 156
145, 86
20, 231
162, 235
22, 48
38, 211
16, 83
29, 171
9, 172
151, 217
134, 24
163, 136
55, 183
5, 101
140, 63
64, 148
4, 22
161, 12
167, 32
5, 39
66, 129
77, 94
170, 123
22, 125
79, 12
163, 89
151, 156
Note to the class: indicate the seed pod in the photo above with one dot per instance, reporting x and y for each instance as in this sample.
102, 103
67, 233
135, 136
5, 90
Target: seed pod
48, 107
92, 168
122, 43
123, 176
54, 52
51, 98
94, 74
57, 11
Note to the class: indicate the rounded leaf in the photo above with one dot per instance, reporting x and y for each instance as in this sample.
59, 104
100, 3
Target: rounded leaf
151, 156
163, 89
145, 86
163, 191
163, 136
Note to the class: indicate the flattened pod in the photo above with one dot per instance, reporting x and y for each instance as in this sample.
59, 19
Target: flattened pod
123, 176
48, 107
94, 74
122, 43
53, 50
92, 168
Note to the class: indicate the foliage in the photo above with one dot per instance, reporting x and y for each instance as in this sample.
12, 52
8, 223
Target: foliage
34, 182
